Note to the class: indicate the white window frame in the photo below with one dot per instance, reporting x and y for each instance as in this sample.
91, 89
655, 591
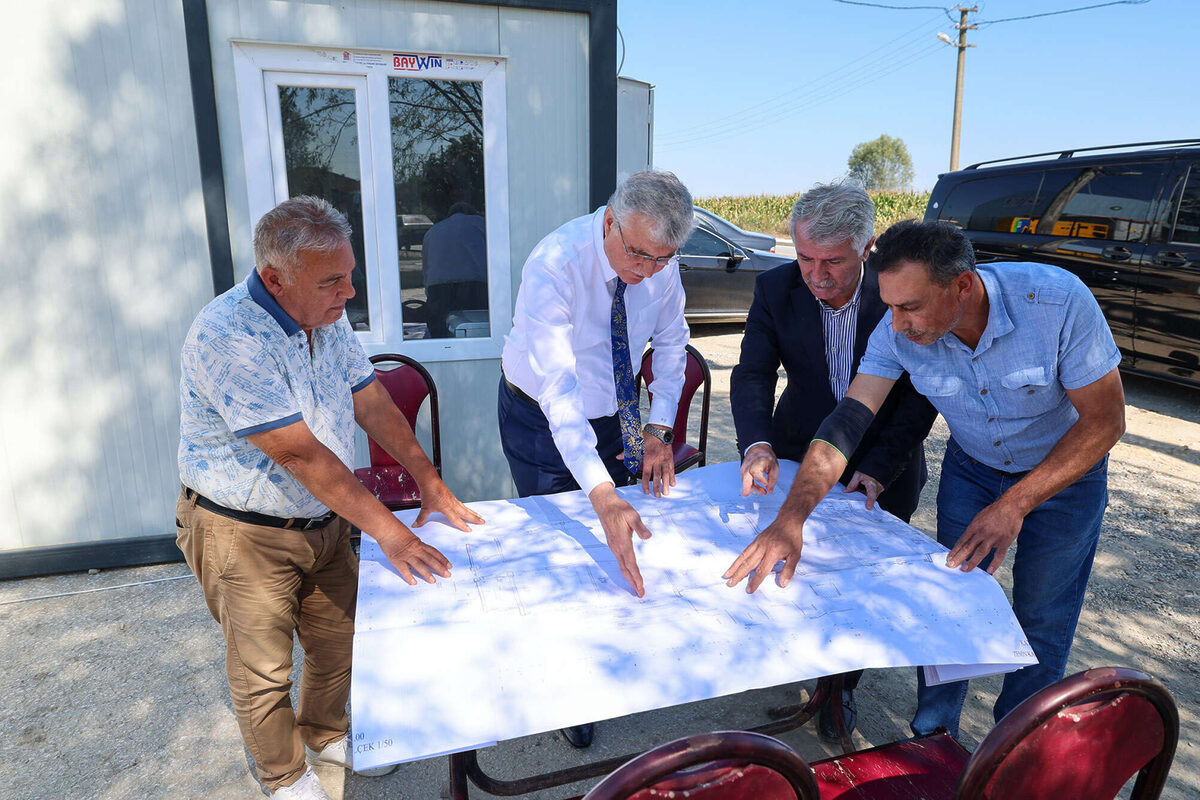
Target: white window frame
261, 67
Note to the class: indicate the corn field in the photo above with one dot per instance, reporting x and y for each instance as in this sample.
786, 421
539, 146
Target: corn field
769, 213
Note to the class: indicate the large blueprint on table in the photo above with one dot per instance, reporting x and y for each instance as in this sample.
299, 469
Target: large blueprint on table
537, 629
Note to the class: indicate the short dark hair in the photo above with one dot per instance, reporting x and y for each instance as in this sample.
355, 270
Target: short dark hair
940, 246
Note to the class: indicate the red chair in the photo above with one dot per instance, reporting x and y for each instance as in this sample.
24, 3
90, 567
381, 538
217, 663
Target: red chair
726, 765
695, 374
408, 384
1083, 737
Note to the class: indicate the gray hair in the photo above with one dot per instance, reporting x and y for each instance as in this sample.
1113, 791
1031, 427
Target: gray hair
662, 199
834, 213
941, 247
303, 223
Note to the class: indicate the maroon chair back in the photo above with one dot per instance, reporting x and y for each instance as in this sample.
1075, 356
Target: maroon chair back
925, 768
725, 765
409, 384
696, 374
1084, 736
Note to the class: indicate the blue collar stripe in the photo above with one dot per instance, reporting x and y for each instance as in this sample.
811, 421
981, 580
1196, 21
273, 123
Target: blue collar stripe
259, 294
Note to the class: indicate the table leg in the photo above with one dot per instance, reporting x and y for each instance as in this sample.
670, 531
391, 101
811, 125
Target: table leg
459, 787
465, 768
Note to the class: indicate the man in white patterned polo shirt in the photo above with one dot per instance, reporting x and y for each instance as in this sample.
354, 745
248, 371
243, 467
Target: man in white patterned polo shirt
273, 383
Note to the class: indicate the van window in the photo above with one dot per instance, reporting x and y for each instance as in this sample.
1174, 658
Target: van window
1099, 202
998, 203
1187, 218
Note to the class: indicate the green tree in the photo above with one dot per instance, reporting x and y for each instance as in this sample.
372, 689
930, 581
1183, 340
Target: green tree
882, 164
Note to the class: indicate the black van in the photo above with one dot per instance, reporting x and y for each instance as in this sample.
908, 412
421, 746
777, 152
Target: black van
1126, 221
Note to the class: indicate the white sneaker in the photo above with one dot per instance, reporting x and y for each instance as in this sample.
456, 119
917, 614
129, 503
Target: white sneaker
307, 788
337, 754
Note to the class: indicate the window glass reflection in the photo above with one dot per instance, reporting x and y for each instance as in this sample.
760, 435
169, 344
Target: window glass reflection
704, 243
320, 146
1000, 203
1187, 221
1110, 202
437, 162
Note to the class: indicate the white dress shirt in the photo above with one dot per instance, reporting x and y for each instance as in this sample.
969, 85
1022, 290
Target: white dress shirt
560, 347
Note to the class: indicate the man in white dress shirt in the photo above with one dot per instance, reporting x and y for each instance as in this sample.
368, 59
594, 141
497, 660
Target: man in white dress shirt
561, 420
593, 293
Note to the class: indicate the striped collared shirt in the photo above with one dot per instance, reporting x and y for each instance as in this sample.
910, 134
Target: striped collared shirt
839, 325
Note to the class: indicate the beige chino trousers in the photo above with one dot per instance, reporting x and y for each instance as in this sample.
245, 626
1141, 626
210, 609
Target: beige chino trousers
263, 584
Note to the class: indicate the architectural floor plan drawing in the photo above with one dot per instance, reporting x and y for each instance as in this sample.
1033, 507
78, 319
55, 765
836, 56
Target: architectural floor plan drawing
537, 629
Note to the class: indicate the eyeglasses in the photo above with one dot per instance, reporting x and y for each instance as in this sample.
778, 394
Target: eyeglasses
658, 261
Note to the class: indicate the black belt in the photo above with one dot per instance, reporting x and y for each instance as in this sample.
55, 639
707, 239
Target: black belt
512, 387
254, 518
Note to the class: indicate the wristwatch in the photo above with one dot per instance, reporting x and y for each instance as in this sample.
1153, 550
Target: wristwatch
664, 435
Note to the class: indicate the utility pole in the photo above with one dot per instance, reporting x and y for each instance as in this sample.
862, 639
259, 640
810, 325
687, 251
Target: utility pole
962, 46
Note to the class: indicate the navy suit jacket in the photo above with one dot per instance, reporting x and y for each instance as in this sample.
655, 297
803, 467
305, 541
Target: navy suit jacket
784, 327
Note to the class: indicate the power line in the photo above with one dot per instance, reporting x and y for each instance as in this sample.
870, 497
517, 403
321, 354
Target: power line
894, 8
1063, 11
816, 96
770, 107
943, 9
819, 98
845, 85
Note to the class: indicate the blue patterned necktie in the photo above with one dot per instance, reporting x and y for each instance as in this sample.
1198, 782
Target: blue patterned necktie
627, 399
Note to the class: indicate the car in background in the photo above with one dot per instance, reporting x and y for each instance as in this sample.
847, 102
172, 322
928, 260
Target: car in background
411, 229
725, 228
718, 276
1124, 218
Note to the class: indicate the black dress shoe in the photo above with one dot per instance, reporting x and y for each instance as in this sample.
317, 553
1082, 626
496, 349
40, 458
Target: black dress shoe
825, 727
579, 735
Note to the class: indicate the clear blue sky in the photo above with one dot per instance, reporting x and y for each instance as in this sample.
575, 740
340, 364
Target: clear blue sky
770, 96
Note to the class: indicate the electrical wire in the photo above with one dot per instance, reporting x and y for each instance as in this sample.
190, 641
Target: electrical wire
1063, 11
816, 100
945, 10
820, 93
805, 101
844, 76
89, 591
769, 104
832, 84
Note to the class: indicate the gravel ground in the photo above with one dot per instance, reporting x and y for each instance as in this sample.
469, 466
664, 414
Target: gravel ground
1143, 604
121, 694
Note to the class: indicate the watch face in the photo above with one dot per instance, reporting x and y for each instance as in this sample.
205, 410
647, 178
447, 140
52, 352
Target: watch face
666, 437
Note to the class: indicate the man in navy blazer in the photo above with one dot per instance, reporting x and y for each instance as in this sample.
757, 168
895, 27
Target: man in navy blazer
814, 317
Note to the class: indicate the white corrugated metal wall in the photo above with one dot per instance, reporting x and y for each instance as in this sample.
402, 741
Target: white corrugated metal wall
103, 233
106, 263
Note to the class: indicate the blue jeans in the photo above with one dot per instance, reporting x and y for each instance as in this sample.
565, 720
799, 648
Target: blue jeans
1051, 562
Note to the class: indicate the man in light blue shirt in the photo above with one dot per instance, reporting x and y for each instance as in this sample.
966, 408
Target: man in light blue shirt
1021, 364
272, 385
